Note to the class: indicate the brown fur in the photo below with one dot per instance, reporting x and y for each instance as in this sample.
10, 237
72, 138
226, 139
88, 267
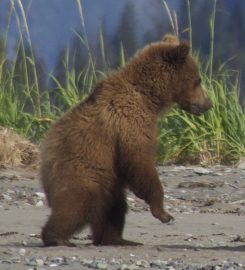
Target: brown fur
107, 144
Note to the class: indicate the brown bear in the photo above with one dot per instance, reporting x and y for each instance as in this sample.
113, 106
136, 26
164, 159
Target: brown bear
107, 144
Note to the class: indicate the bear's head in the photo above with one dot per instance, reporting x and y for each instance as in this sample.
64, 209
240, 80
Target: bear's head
171, 75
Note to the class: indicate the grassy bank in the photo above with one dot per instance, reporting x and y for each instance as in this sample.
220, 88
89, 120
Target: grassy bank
216, 137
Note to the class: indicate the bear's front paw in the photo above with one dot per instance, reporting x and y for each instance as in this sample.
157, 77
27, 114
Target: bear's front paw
162, 215
166, 217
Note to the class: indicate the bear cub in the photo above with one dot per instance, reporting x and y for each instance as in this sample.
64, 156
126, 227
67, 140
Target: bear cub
106, 144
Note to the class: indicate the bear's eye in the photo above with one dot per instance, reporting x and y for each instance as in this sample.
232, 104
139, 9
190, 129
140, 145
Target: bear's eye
197, 82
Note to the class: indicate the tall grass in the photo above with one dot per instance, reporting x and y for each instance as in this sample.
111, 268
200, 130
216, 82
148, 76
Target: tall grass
216, 137
190, 24
70, 93
22, 105
212, 35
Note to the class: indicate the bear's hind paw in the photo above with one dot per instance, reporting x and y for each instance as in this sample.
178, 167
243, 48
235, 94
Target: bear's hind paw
56, 242
119, 242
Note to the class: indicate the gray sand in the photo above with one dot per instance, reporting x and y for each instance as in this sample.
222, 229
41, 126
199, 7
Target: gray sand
208, 231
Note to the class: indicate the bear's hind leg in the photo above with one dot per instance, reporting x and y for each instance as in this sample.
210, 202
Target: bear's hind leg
68, 216
107, 228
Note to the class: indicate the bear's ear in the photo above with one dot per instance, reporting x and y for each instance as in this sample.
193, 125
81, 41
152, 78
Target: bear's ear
171, 39
177, 55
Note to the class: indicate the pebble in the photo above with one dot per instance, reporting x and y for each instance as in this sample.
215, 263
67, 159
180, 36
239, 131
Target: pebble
41, 195
217, 174
237, 238
39, 204
22, 252
58, 260
202, 171
24, 243
129, 267
101, 265
35, 262
33, 235
7, 197
86, 262
143, 263
158, 263
53, 265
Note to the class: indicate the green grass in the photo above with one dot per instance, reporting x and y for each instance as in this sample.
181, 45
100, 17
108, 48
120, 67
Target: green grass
216, 137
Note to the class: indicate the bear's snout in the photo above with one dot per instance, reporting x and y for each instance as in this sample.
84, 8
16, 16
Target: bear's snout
195, 108
200, 109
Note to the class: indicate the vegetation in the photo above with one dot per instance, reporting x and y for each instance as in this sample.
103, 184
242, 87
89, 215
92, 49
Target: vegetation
29, 107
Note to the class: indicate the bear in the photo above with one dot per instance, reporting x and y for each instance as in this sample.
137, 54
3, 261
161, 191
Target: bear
106, 144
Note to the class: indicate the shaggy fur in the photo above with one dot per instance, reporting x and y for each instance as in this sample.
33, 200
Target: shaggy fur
107, 144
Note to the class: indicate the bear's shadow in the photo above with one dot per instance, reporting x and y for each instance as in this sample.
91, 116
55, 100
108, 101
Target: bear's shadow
240, 248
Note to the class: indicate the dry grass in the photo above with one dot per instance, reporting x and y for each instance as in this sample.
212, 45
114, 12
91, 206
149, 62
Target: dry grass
16, 151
